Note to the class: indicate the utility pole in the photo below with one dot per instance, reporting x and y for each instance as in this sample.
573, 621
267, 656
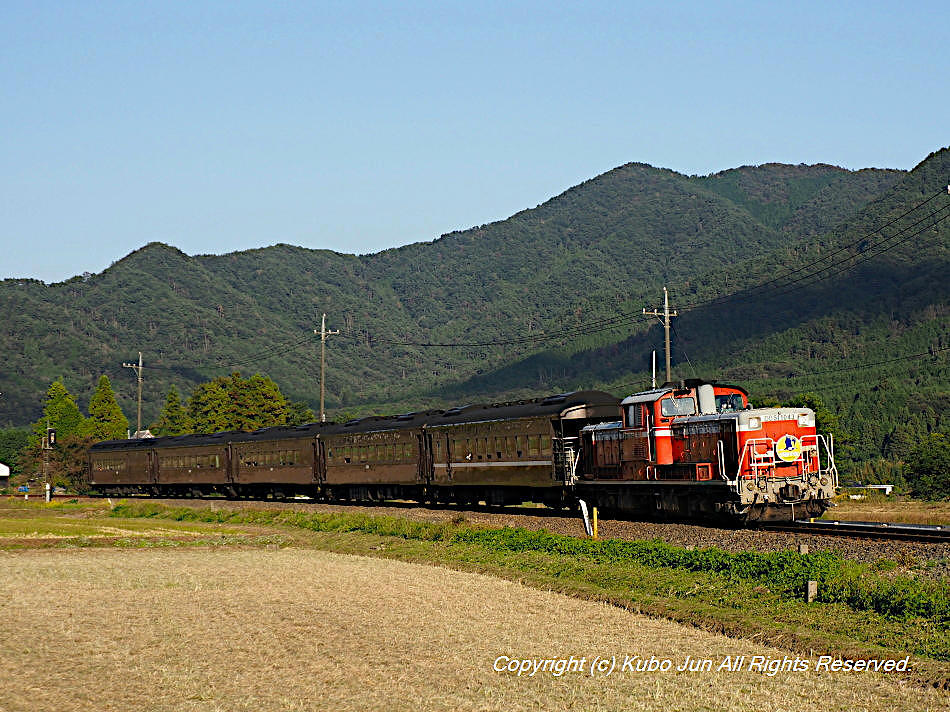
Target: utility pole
323, 361
138, 373
48, 441
666, 314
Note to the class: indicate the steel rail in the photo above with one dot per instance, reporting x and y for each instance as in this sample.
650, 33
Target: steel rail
936, 533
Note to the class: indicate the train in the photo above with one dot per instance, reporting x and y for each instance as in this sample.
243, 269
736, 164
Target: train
687, 450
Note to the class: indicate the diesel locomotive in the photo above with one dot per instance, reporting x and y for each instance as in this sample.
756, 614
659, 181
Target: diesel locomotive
689, 450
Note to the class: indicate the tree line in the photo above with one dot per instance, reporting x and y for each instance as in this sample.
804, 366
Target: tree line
225, 403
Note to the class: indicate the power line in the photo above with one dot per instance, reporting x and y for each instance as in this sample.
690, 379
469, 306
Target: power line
813, 276
929, 352
853, 243
608, 323
859, 240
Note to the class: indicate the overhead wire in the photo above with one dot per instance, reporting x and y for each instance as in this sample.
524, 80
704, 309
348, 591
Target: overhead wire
874, 250
933, 352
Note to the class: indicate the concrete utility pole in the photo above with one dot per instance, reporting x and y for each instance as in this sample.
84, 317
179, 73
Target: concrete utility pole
138, 372
323, 361
666, 314
48, 441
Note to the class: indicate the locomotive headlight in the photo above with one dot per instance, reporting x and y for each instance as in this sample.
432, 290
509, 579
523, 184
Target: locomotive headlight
755, 423
749, 486
824, 481
806, 420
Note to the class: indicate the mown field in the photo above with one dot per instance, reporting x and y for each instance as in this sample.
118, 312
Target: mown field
156, 608
879, 509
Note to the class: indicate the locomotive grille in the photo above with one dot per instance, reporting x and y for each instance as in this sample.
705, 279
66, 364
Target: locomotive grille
638, 450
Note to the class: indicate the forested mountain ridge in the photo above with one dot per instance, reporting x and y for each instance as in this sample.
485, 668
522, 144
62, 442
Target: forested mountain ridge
605, 246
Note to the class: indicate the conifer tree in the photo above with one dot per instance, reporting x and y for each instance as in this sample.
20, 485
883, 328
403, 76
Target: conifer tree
66, 462
265, 404
210, 407
173, 419
106, 420
235, 403
300, 413
61, 412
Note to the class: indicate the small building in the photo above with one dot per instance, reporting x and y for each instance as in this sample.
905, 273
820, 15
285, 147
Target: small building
854, 492
4, 475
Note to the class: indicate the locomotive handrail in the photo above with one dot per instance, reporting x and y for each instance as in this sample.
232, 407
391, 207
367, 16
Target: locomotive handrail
721, 455
766, 460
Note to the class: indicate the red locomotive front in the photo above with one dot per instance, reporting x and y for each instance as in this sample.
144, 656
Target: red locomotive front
713, 453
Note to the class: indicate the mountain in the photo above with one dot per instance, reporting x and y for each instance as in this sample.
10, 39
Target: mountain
537, 296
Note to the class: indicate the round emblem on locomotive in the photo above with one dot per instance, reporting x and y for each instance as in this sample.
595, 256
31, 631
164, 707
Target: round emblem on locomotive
788, 448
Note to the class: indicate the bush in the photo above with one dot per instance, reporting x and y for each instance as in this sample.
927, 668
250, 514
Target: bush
928, 468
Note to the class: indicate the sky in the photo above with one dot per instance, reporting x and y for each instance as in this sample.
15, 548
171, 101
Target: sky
359, 126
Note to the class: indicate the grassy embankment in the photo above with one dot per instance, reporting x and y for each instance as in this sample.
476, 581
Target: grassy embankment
862, 610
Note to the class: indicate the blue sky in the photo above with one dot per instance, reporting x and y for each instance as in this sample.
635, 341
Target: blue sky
357, 126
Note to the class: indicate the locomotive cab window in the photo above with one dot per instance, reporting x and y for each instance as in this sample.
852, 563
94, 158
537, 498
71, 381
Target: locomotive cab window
671, 407
635, 416
729, 402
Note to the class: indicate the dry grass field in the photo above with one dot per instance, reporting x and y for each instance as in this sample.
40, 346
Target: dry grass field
301, 629
882, 510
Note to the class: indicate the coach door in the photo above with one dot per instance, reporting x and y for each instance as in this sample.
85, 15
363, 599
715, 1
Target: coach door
319, 461
151, 476
425, 459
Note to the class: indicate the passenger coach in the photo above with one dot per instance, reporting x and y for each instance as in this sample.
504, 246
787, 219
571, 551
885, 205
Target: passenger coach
500, 454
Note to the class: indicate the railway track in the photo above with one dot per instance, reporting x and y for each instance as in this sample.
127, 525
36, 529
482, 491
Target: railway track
934, 533
893, 531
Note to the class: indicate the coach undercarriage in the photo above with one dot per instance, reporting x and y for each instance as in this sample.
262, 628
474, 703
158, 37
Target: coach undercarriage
673, 501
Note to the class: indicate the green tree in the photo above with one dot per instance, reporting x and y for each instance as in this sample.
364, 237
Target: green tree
262, 403
106, 420
65, 464
300, 413
928, 467
235, 403
61, 412
173, 420
210, 406
12, 443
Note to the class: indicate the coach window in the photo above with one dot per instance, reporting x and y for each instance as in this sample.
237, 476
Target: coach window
545, 445
533, 444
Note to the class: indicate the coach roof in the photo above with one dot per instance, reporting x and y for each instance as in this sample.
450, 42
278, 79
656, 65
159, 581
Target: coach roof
578, 404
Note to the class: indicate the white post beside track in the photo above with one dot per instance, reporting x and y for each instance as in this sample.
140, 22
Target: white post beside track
587, 525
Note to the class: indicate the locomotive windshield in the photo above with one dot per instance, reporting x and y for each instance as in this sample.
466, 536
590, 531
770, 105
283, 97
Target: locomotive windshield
670, 407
